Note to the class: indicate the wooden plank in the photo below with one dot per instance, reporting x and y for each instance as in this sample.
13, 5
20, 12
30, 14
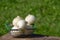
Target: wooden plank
30, 37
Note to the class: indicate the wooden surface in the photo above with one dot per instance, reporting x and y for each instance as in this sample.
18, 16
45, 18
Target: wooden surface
30, 37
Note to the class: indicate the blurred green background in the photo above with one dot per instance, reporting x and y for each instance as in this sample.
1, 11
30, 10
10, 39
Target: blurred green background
47, 14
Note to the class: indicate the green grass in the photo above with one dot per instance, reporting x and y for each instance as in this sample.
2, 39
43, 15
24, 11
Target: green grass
47, 14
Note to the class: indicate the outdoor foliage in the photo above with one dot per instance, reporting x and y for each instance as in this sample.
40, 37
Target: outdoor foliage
47, 14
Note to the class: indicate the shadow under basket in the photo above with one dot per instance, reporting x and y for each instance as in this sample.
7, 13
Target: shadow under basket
30, 36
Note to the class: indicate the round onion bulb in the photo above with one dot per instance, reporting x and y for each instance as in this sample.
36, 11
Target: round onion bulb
15, 20
21, 23
30, 19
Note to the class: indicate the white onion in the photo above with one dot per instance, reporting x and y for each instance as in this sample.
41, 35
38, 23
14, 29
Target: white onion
21, 23
15, 20
30, 19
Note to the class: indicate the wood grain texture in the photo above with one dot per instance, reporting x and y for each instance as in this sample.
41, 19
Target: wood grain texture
29, 37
